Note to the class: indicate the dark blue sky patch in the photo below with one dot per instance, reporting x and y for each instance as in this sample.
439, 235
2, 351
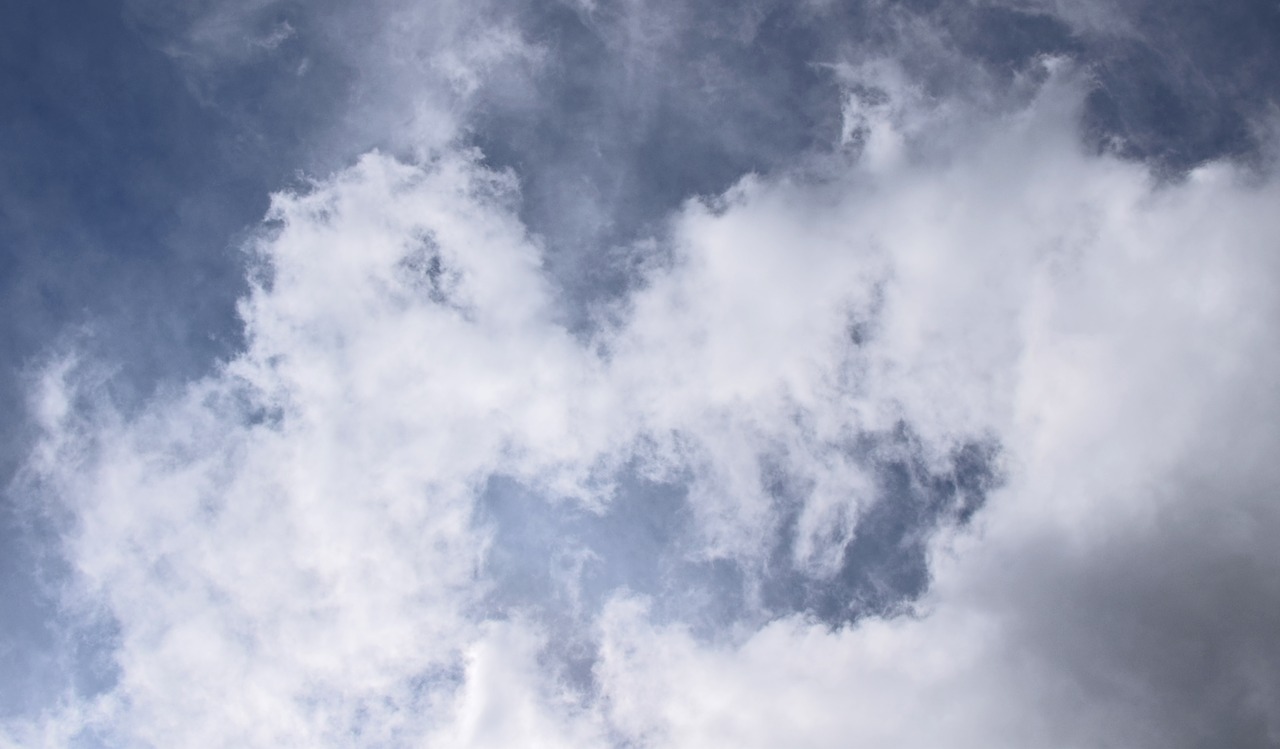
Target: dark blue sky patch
121, 200
616, 137
1007, 40
1195, 82
885, 566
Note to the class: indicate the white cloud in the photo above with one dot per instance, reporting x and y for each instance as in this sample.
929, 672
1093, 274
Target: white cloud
289, 548
1115, 334
290, 539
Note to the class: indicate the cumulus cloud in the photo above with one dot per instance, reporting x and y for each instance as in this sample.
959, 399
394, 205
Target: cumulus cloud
1118, 591
293, 549
1113, 332
278, 538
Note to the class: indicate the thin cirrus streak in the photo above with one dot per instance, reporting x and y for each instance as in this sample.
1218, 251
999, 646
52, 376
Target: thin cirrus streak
944, 415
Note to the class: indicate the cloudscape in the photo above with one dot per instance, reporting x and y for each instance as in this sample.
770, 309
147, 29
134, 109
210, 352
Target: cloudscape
619, 374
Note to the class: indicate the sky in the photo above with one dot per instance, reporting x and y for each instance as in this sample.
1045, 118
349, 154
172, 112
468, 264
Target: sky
618, 374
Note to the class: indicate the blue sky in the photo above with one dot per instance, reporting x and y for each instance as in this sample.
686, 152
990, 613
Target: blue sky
594, 373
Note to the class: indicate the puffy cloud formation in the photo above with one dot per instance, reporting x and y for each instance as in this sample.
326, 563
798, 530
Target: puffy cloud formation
294, 550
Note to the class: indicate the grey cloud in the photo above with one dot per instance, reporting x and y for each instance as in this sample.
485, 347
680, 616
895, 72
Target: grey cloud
1176, 631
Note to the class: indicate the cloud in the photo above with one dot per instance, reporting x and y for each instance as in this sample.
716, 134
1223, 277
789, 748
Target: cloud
1117, 591
290, 538
293, 548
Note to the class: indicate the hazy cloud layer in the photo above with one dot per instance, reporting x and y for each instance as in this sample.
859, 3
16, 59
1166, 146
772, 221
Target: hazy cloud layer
893, 412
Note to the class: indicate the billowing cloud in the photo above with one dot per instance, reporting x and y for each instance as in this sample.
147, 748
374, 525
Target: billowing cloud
954, 432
